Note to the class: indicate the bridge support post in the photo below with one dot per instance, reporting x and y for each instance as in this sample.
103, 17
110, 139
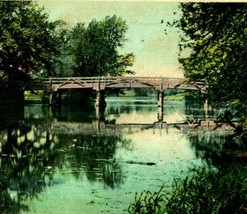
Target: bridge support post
160, 105
160, 114
100, 103
206, 109
51, 95
100, 99
55, 98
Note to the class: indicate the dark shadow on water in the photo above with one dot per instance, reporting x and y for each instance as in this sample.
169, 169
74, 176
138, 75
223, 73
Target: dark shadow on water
31, 152
219, 148
10, 113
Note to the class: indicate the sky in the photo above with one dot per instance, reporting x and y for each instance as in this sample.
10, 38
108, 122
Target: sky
156, 54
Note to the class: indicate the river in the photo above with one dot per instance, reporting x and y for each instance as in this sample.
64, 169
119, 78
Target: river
72, 162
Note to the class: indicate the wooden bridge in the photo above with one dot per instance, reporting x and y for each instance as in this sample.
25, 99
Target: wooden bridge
99, 84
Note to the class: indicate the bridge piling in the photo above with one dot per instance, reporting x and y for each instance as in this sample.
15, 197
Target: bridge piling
51, 96
206, 109
55, 98
160, 105
100, 99
160, 115
160, 98
100, 103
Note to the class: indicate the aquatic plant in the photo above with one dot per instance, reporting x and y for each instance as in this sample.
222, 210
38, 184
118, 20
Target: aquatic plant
150, 203
204, 190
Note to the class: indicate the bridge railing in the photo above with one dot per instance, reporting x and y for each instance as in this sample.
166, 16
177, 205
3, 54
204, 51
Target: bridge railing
154, 80
159, 83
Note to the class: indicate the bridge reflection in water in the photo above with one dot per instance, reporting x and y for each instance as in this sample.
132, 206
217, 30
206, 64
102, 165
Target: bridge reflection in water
99, 127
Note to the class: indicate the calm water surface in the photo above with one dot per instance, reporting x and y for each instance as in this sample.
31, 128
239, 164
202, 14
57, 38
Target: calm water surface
72, 162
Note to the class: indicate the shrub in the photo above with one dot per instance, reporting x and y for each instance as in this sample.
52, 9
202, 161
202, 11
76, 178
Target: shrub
204, 190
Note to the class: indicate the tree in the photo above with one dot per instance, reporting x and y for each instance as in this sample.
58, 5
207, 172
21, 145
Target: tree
28, 42
64, 62
215, 34
95, 48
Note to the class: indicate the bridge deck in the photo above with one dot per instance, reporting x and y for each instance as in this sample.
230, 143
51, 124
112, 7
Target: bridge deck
101, 83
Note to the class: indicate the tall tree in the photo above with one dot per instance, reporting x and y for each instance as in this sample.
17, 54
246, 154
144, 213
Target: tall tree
28, 42
216, 34
64, 63
96, 48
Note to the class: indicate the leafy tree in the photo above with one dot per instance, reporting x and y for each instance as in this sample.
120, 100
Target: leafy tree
64, 62
95, 48
28, 42
215, 35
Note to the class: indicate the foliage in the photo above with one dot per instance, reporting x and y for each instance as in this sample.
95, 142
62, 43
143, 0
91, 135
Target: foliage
144, 92
33, 46
150, 203
243, 130
64, 63
28, 42
214, 34
204, 190
34, 96
95, 48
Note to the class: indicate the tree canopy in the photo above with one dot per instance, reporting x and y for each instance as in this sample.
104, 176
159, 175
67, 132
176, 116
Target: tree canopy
96, 48
215, 34
32, 45
28, 42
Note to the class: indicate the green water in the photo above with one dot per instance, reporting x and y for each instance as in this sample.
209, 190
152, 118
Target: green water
72, 162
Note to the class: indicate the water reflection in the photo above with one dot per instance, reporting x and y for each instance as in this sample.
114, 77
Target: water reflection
93, 156
119, 154
30, 155
25, 153
219, 148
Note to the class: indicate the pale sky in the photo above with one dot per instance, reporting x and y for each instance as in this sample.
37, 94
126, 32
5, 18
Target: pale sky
156, 54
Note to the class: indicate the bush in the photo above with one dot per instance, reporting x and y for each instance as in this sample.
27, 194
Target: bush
204, 190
